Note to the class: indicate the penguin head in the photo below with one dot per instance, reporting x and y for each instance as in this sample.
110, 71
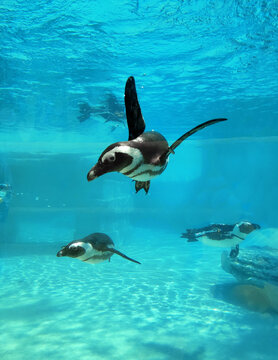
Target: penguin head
247, 227
243, 228
115, 157
73, 249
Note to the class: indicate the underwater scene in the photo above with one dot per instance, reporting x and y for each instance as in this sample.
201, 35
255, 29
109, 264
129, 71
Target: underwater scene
138, 180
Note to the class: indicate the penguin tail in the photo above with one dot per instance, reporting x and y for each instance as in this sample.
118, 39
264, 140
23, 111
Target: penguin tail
122, 255
191, 132
189, 237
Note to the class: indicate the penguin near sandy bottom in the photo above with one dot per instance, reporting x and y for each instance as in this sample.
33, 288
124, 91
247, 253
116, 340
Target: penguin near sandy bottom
92, 249
145, 155
222, 235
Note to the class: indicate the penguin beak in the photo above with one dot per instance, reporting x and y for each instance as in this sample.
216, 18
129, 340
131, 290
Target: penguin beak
60, 253
91, 175
95, 172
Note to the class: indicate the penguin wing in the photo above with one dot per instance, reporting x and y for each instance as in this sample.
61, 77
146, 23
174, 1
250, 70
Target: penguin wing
191, 132
121, 254
135, 121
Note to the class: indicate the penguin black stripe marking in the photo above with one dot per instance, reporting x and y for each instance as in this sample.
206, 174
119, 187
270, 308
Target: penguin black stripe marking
129, 172
145, 154
150, 173
146, 167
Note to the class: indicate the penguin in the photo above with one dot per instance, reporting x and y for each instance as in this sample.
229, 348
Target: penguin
111, 111
85, 111
221, 235
145, 155
92, 249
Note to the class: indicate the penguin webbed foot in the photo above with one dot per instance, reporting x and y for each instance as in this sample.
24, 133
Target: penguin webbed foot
142, 185
234, 252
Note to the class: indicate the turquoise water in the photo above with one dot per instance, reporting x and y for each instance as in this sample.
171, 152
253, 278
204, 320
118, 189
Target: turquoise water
192, 61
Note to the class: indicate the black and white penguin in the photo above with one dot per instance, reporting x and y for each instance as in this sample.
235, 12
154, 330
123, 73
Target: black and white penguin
145, 155
221, 235
92, 249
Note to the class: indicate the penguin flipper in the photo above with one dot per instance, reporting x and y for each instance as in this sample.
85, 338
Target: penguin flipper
122, 255
142, 185
135, 121
191, 132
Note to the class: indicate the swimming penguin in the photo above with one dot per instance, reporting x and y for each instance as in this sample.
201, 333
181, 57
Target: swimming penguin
145, 155
93, 249
85, 111
221, 235
111, 111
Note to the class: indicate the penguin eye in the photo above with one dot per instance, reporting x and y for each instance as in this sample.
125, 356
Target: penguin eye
111, 157
75, 249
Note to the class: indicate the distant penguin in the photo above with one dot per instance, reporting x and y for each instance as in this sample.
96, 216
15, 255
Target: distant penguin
145, 155
111, 110
85, 111
92, 249
221, 235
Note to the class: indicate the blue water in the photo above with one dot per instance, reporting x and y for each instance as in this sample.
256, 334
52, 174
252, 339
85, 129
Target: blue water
192, 61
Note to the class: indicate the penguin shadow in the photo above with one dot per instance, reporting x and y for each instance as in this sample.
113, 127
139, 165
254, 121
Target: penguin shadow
170, 352
247, 296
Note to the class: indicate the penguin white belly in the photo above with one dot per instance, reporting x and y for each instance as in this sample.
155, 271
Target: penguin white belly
219, 243
143, 177
147, 172
93, 256
98, 258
